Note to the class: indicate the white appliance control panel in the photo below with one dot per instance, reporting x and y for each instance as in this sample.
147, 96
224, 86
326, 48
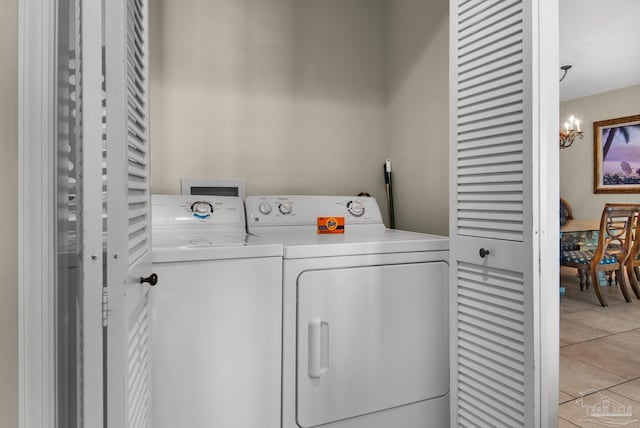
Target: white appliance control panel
196, 210
284, 210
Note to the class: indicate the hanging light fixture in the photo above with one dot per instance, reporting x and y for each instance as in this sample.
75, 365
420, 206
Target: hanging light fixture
570, 132
571, 129
565, 69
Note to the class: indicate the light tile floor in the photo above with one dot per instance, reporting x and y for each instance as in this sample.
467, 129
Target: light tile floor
599, 357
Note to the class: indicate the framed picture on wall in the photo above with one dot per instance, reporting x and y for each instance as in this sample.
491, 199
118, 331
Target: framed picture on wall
616, 144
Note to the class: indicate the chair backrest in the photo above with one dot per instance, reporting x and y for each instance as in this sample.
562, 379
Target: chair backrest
617, 224
565, 212
635, 237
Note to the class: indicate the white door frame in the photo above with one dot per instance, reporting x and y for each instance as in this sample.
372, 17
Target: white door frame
547, 175
37, 209
37, 273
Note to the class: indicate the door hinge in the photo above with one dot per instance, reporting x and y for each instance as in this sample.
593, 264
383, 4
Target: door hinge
105, 306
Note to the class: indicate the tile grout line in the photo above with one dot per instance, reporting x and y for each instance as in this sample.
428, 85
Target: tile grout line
612, 316
600, 368
597, 338
568, 421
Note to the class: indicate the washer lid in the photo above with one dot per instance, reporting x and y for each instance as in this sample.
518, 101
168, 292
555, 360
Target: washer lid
191, 228
194, 254
189, 238
250, 247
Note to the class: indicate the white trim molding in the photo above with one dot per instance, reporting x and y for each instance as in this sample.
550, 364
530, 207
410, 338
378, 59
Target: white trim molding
546, 42
36, 329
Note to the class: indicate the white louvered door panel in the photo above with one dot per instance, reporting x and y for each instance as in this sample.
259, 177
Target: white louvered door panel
495, 194
490, 119
128, 213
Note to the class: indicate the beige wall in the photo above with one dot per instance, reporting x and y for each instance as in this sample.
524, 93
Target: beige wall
418, 41
8, 214
287, 93
576, 162
306, 97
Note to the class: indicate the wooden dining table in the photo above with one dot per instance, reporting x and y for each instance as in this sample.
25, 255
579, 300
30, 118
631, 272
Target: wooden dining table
574, 226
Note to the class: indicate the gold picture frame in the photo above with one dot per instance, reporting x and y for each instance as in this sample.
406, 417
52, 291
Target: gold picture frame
616, 145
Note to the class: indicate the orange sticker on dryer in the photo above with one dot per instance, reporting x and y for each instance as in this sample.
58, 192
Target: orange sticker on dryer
330, 224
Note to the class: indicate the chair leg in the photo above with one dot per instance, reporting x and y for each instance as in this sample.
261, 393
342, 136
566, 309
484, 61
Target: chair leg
633, 280
582, 274
596, 288
623, 284
587, 277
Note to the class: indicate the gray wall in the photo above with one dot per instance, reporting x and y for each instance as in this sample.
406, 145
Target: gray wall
287, 93
418, 40
8, 214
305, 97
576, 162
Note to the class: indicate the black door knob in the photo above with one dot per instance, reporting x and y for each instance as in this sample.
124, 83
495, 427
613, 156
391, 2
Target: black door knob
151, 279
483, 253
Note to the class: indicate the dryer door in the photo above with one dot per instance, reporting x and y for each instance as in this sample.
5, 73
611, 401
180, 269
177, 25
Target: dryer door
369, 339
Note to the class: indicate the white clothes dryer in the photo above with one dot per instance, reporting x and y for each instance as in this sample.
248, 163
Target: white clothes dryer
216, 317
365, 315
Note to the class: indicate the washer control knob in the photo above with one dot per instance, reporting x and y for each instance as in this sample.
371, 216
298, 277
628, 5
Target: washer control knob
285, 208
265, 208
201, 209
355, 208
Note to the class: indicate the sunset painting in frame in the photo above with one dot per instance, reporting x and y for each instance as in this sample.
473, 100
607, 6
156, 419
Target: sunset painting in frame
617, 155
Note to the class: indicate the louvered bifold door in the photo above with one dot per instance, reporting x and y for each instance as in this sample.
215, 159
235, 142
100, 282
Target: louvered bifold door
491, 220
128, 213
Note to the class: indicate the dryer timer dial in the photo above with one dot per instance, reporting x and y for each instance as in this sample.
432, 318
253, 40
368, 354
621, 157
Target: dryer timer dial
285, 208
355, 208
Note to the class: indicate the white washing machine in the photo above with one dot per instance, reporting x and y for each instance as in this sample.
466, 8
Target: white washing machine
216, 317
365, 315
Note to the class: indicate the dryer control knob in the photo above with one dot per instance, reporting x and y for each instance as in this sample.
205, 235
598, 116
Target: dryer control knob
201, 209
265, 208
355, 208
285, 208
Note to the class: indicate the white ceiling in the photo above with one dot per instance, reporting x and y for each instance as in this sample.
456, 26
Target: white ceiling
601, 39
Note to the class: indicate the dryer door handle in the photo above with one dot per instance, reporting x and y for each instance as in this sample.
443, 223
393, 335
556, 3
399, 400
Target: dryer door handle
318, 348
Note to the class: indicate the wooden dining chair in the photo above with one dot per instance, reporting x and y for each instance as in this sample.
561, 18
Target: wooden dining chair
569, 241
633, 261
614, 246
565, 212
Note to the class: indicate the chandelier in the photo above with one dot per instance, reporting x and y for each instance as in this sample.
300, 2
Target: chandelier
571, 129
570, 132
